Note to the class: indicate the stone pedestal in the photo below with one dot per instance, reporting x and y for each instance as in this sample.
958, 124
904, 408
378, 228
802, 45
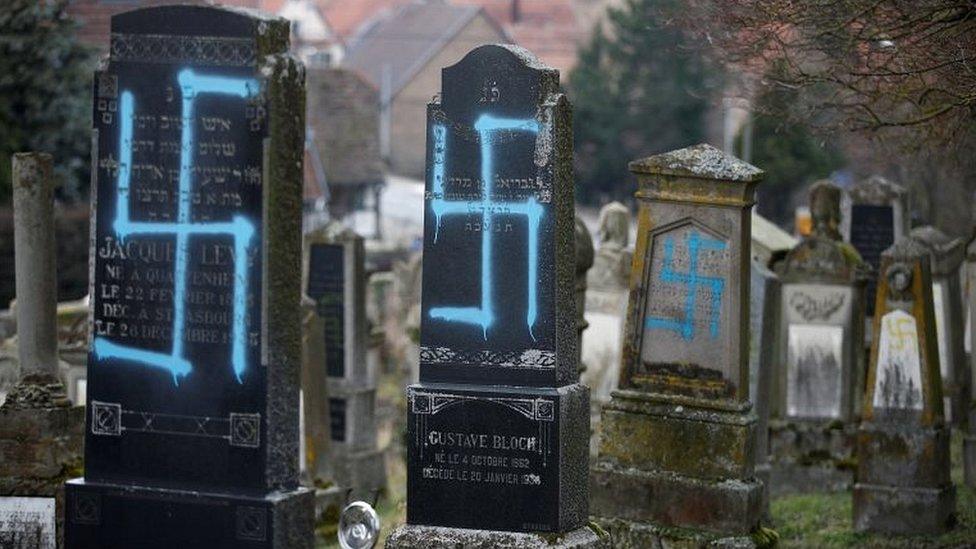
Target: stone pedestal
433, 537
123, 516
812, 456
903, 484
639, 477
40, 447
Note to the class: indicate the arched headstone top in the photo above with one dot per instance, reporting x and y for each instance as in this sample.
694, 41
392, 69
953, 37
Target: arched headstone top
198, 35
503, 79
187, 20
877, 190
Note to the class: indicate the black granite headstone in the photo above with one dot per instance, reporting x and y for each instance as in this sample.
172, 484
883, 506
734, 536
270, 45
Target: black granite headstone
872, 232
498, 426
326, 285
193, 365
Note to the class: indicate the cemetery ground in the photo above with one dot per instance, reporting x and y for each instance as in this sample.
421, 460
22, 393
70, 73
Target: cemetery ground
802, 521
824, 520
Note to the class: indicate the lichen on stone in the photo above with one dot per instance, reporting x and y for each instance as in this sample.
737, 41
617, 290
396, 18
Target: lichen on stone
701, 161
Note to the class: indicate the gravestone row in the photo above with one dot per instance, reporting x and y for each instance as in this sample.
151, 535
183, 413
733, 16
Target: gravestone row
193, 406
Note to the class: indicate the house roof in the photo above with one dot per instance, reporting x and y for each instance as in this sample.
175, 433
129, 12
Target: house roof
548, 28
94, 16
406, 39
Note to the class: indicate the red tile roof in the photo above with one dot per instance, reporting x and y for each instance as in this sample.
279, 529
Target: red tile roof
95, 16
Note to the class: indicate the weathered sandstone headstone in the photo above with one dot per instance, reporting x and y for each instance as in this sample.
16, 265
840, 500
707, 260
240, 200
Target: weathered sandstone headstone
903, 484
677, 449
819, 377
194, 367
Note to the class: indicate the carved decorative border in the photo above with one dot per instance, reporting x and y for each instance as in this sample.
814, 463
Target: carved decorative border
87, 508
536, 409
252, 523
533, 359
238, 429
164, 48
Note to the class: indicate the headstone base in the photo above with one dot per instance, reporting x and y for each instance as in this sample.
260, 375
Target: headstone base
969, 460
641, 429
665, 500
626, 534
811, 456
525, 447
112, 516
710, 485
40, 448
900, 510
903, 479
411, 536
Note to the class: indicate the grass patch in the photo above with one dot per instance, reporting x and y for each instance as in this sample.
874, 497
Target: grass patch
825, 520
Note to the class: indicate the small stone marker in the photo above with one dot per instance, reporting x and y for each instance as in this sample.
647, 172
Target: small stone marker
27, 523
193, 373
903, 484
606, 307
819, 384
677, 450
948, 255
336, 283
497, 426
878, 214
40, 432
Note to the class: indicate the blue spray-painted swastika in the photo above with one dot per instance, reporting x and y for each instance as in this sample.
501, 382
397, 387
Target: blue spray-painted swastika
692, 280
484, 315
192, 86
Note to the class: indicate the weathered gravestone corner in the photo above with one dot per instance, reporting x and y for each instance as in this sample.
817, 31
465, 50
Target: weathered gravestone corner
677, 452
498, 425
195, 356
903, 484
947, 256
